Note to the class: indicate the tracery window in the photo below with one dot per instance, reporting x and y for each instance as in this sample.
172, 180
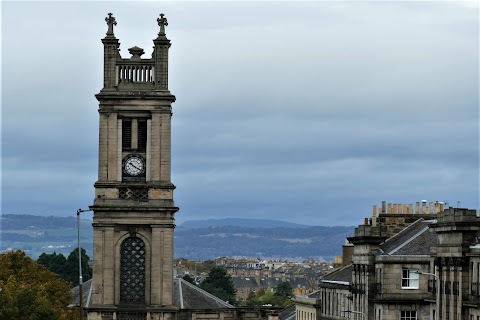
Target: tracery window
132, 270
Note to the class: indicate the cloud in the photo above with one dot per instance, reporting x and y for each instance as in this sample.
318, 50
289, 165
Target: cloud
297, 111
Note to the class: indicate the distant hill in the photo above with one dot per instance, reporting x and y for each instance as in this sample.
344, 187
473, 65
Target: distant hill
38, 234
200, 240
240, 222
221, 241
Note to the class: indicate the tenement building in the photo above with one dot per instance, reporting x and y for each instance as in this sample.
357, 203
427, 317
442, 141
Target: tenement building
430, 269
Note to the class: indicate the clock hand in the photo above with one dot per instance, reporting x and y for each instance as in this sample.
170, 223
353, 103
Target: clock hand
135, 167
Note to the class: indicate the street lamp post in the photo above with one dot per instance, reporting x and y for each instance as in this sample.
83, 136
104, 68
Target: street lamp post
80, 277
436, 285
356, 312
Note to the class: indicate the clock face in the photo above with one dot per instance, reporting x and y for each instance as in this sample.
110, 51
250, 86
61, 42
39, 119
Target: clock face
134, 166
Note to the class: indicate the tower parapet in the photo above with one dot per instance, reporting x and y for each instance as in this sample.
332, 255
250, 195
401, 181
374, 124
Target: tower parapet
135, 73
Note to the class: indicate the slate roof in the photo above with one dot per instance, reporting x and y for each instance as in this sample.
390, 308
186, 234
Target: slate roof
269, 282
272, 282
315, 295
244, 282
185, 296
415, 239
343, 274
189, 296
287, 313
86, 286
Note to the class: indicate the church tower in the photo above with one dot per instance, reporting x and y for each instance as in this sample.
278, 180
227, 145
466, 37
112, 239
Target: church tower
134, 210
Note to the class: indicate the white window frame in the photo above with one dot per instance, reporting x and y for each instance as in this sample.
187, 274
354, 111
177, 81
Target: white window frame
408, 315
410, 279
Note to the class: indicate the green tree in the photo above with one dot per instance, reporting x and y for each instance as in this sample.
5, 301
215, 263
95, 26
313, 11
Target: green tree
30, 291
284, 294
53, 262
220, 284
260, 292
252, 300
70, 273
67, 268
188, 278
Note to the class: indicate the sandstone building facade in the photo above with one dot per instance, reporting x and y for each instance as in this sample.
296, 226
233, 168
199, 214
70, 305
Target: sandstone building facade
428, 270
133, 209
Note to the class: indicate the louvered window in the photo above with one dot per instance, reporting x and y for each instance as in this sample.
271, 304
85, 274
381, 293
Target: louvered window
126, 133
142, 135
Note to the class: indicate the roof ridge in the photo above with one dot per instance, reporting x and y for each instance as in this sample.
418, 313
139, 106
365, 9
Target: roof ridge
339, 269
208, 294
404, 230
408, 240
180, 292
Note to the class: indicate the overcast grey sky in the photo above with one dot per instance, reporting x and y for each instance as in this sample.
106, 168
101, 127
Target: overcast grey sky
306, 112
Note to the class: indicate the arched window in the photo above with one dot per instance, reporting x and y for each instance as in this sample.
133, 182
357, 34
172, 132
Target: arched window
132, 270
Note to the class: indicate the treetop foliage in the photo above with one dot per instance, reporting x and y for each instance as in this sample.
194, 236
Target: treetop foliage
280, 297
30, 291
67, 268
220, 284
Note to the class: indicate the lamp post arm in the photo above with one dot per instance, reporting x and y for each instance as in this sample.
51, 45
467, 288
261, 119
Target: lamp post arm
427, 274
357, 312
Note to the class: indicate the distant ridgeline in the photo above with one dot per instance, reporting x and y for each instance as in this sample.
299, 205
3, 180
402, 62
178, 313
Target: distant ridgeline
200, 239
38, 234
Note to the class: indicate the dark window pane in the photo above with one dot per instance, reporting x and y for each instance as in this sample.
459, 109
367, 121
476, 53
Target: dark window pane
142, 135
126, 134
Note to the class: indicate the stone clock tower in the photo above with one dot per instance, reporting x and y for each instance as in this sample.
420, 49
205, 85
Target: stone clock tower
134, 210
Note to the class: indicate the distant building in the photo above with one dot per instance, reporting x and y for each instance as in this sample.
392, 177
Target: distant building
246, 285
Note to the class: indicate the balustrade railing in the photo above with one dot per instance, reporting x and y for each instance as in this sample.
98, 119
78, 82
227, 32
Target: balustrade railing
135, 71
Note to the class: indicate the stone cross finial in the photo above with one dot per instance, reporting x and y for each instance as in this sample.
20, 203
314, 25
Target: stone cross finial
162, 22
110, 22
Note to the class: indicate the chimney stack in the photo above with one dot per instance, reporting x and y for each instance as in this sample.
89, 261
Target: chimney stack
374, 216
424, 206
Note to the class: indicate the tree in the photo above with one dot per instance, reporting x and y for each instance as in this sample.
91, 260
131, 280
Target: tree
71, 267
284, 293
281, 298
67, 268
30, 291
53, 262
188, 279
220, 284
